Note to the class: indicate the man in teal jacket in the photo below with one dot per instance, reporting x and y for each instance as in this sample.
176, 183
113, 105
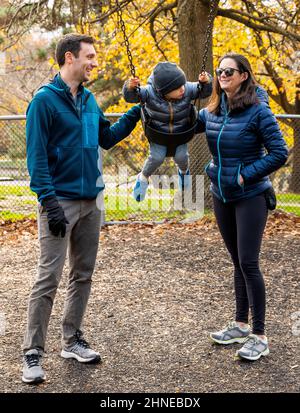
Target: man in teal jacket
65, 129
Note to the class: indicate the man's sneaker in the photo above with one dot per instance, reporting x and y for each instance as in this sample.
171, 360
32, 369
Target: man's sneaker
184, 180
81, 351
253, 348
32, 370
233, 333
140, 189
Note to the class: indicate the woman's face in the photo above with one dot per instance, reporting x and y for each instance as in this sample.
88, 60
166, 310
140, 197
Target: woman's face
231, 80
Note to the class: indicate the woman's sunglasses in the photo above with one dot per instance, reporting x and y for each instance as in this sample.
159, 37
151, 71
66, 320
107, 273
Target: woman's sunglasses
228, 71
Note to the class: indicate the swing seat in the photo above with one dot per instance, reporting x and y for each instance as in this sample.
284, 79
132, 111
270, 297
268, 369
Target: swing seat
170, 140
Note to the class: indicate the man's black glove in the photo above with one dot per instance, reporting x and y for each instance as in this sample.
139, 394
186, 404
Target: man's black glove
56, 216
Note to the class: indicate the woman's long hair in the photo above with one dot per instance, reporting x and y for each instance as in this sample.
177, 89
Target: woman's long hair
246, 95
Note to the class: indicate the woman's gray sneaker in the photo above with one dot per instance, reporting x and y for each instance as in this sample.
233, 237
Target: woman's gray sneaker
254, 348
233, 333
32, 369
81, 351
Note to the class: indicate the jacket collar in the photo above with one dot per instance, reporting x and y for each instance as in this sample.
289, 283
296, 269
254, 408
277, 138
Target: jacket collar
224, 104
58, 81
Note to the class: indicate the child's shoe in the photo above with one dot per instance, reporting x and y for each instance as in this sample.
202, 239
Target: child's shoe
184, 180
140, 188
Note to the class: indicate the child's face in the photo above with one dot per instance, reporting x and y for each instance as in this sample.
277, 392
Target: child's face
176, 93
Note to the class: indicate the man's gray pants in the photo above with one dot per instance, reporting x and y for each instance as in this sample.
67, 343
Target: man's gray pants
81, 241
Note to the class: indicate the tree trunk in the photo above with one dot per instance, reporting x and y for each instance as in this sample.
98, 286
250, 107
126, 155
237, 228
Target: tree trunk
192, 23
295, 182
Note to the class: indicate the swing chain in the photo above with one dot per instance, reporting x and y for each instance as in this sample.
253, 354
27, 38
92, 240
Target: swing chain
210, 21
209, 28
126, 41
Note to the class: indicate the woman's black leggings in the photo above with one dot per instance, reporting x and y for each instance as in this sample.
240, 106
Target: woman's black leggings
242, 224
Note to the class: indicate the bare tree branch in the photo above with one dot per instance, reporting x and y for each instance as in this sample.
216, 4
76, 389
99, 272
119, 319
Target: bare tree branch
110, 12
153, 34
255, 24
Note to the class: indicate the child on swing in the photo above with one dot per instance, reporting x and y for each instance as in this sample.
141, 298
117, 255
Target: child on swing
167, 97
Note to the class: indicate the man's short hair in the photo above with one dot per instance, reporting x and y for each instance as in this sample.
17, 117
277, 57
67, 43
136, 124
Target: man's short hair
70, 43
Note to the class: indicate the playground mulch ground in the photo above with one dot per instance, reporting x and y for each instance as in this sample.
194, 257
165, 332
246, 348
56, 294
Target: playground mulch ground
157, 292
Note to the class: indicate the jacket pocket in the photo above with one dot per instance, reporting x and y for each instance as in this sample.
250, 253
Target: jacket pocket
68, 169
90, 124
232, 180
238, 176
57, 160
53, 159
212, 172
231, 185
207, 166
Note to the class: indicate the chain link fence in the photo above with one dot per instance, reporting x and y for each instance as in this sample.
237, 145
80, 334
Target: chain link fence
121, 165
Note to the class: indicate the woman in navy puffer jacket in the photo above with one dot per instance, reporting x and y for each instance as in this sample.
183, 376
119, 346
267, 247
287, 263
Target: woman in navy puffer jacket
246, 146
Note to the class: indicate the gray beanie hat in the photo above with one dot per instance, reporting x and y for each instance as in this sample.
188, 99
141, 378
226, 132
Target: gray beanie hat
168, 76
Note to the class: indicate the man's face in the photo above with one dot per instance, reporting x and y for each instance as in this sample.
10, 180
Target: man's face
84, 63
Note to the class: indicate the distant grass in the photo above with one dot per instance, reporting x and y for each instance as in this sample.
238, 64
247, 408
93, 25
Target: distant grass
126, 208
110, 215
29, 202
293, 209
120, 208
126, 203
15, 164
6, 190
18, 190
14, 216
288, 197
138, 216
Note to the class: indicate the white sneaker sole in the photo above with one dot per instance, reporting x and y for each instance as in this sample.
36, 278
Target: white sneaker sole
69, 355
36, 380
240, 340
253, 358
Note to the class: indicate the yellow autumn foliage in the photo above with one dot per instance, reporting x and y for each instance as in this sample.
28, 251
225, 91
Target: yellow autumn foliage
228, 35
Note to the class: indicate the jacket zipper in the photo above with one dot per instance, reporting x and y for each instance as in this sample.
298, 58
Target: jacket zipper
219, 157
82, 146
82, 131
171, 117
83, 104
